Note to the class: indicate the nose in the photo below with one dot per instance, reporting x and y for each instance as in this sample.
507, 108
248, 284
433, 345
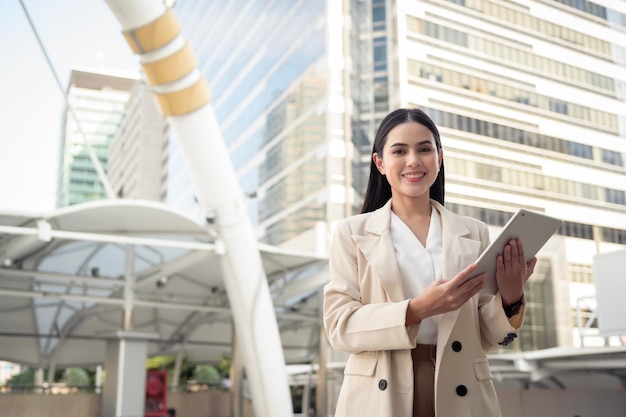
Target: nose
413, 159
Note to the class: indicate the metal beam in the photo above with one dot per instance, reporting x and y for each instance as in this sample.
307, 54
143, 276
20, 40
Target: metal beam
114, 301
144, 303
56, 276
101, 237
153, 274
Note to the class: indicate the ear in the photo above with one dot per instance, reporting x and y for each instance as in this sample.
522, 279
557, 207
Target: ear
379, 163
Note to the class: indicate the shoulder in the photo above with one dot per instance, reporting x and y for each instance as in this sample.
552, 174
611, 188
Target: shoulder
472, 223
476, 227
353, 224
372, 223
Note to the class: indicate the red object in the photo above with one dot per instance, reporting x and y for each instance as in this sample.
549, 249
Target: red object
156, 393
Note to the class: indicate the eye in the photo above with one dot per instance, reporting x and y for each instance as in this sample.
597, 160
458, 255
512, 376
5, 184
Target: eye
398, 151
426, 149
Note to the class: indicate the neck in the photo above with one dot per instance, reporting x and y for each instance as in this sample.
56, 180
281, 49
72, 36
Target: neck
407, 208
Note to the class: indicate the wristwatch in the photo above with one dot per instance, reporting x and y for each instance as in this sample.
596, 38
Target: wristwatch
514, 308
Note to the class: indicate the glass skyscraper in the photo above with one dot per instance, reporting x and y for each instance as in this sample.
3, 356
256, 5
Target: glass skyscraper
530, 98
268, 70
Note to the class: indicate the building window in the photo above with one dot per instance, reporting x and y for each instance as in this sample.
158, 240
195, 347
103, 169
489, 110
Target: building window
614, 235
579, 230
558, 106
379, 15
612, 157
581, 273
380, 55
615, 196
458, 79
481, 127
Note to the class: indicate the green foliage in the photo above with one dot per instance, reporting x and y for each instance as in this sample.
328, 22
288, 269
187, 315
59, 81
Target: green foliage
24, 378
161, 362
76, 377
211, 375
207, 374
224, 366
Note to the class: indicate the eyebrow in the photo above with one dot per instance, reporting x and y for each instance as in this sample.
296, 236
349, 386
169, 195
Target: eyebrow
428, 141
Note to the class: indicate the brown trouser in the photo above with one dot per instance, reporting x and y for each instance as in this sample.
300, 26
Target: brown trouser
424, 371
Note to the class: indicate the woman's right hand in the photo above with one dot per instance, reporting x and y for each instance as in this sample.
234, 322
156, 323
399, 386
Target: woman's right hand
444, 295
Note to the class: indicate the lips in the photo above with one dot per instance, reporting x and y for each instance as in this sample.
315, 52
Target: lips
414, 175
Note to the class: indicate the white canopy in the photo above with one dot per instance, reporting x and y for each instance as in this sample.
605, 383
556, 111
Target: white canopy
67, 277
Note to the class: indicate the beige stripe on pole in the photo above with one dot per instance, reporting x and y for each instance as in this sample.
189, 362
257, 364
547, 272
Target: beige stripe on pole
171, 68
153, 35
185, 100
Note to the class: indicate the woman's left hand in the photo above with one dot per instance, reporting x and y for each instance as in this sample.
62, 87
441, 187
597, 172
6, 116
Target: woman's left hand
512, 272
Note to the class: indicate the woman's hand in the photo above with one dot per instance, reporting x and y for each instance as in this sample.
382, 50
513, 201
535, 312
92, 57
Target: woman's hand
512, 272
444, 295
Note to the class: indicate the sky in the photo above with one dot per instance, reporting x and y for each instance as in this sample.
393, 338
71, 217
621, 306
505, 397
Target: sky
75, 33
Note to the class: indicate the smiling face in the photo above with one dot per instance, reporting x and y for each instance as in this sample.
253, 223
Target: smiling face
410, 161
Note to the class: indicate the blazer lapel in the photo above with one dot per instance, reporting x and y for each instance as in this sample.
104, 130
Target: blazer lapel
377, 247
459, 251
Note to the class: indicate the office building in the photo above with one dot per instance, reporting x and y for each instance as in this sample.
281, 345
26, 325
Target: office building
530, 98
97, 101
138, 156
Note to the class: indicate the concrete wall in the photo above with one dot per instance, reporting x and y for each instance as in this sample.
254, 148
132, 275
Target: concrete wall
200, 404
39, 405
514, 403
562, 403
205, 404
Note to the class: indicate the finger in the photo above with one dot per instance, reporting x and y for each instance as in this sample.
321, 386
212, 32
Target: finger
530, 267
470, 283
464, 275
520, 253
475, 284
514, 252
471, 287
507, 256
499, 265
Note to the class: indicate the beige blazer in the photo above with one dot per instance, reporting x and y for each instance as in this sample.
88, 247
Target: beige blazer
365, 312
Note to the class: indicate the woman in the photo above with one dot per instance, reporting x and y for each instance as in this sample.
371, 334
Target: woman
399, 300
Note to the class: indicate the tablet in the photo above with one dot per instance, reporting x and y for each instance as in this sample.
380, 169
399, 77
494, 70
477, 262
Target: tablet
532, 228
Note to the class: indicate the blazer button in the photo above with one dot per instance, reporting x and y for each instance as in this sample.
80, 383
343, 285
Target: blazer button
461, 390
382, 384
457, 346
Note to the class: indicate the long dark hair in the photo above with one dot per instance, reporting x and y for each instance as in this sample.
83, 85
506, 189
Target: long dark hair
378, 190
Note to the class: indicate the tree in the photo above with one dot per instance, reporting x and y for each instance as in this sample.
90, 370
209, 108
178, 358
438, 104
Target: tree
224, 366
76, 377
26, 378
207, 374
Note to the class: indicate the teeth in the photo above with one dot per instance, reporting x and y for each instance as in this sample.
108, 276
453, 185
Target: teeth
414, 175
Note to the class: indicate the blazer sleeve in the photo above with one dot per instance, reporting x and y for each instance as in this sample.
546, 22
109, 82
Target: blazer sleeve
496, 329
351, 324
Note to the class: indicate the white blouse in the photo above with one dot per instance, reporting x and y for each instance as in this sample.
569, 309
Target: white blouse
419, 265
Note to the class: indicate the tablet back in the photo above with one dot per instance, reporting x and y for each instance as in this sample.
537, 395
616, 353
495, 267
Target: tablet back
533, 228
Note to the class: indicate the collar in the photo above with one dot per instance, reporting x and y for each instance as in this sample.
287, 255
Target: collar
379, 221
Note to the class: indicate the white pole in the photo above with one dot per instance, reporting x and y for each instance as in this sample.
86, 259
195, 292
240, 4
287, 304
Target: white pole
170, 66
